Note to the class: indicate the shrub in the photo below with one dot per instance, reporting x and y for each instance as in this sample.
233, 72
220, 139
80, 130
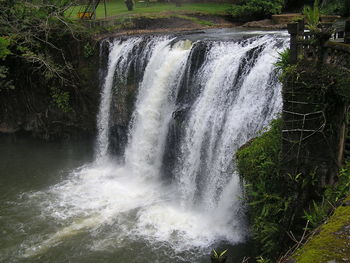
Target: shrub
256, 9
336, 7
283, 60
4, 51
258, 163
278, 202
312, 16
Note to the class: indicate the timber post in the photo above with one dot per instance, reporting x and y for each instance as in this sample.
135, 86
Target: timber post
301, 27
347, 32
293, 30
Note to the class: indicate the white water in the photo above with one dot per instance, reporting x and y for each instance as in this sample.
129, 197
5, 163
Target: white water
118, 65
222, 118
118, 202
154, 107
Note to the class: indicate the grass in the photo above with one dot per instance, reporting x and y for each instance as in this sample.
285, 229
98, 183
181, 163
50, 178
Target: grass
118, 8
196, 20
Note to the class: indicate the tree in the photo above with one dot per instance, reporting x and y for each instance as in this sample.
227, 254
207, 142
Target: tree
129, 4
32, 43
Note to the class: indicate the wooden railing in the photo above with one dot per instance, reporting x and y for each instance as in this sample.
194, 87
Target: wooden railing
332, 48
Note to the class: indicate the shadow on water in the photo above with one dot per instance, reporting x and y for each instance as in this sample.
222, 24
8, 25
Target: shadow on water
30, 164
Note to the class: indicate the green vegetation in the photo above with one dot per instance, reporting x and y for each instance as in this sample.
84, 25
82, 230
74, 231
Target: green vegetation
243, 10
30, 43
346, 9
118, 8
336, 7
39, 54
259, 9
256, 9
283, 63
195, 20
219, 256
312, 16
4, 51
278, 203
268, 202
61, 99
330, 245
328, 7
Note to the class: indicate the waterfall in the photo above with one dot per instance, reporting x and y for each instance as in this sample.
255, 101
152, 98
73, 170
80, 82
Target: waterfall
118, 65
238, 97
154, 107
175, 185
232, 93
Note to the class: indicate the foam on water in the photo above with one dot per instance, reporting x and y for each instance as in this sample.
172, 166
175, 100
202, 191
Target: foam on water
115, 202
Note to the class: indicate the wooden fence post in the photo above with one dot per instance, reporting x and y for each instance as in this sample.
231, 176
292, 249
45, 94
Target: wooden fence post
301, 27
293, 30
347, 32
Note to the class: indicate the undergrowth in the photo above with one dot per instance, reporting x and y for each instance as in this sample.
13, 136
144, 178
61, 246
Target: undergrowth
277, 203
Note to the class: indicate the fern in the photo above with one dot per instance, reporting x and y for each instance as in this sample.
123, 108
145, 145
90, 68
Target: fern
312, 16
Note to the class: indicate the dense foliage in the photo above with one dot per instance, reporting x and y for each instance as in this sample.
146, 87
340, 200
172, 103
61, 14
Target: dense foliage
4, 51
312, 16
267, 191
336, 7
256, 9
246, 10
277, 203
46, 83
33, 38
280, 203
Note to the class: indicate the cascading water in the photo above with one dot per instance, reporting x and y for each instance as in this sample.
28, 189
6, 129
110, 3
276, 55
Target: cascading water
154, 107
175, 192
118, 66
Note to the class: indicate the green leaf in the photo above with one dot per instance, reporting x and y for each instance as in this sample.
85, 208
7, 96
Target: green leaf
222, 253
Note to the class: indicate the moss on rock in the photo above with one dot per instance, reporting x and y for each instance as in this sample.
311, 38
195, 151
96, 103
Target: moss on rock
332, 242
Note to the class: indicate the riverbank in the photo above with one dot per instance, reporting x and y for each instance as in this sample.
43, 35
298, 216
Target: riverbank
160, 23
146, 24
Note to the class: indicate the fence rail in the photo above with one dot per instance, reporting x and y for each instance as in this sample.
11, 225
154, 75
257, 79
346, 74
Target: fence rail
331, 48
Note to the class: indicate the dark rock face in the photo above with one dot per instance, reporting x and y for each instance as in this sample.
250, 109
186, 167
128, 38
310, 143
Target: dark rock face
122, 107
30, 106
314, 128
125, 89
